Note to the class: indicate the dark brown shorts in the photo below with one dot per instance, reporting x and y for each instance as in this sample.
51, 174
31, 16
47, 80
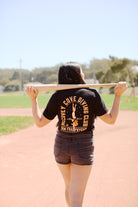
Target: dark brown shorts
74, 148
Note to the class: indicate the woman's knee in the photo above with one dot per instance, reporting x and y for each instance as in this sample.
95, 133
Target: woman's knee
76, 196
67, 192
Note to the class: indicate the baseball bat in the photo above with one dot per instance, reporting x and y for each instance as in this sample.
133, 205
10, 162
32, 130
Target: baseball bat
57, 87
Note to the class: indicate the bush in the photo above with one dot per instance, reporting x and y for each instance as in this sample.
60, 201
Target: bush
111, 90
12, 86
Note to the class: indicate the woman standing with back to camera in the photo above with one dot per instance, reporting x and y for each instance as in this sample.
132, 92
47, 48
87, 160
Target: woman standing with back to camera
76, 110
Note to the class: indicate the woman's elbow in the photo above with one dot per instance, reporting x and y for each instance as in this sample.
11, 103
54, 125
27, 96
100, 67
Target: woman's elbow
112, 121
109, 119
42, 122
39, 125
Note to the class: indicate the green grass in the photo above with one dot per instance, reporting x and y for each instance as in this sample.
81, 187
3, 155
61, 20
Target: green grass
12, 124
126, 103
15, 100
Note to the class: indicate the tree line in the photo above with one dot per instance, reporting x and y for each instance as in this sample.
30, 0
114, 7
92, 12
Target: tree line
108, 70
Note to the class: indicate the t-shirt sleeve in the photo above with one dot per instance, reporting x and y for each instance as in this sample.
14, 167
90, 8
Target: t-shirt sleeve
100, 107
51, 109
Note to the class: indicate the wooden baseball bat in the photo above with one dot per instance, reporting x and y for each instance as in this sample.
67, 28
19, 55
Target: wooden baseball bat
57, 87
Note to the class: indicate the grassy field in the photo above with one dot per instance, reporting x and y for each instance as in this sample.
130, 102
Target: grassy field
126, 103
15, 100
12, 123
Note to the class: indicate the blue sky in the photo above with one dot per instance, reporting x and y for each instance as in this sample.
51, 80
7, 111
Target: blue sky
48, 32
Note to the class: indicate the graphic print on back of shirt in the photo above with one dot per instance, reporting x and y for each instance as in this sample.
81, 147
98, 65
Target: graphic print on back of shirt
74, 115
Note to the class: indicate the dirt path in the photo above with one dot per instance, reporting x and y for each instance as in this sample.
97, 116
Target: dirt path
15, 112
29, 176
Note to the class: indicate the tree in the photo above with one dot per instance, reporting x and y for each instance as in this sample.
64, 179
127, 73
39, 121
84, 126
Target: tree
15, 76
4, 81
51, 79
99, 75
109, 77
97, 64
112, 58
122, 67
119, 64
135, 78
88, 73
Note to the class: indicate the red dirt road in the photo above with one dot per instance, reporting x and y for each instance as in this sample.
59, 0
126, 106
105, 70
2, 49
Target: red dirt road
29, 176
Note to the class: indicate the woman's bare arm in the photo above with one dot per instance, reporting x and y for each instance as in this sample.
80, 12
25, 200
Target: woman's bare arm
111, 116
39, 119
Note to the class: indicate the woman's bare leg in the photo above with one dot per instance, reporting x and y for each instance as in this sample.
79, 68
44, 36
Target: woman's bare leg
75, 178
65, 171
79, 178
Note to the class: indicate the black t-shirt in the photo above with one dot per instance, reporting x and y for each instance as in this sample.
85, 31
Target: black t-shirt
76, 109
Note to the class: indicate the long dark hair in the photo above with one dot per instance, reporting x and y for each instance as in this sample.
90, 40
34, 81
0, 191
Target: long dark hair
70, 73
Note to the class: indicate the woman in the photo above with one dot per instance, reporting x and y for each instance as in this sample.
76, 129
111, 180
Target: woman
76, 110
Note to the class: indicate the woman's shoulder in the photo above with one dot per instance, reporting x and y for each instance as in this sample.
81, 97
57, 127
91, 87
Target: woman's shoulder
59, 93
84, 91
90, 91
